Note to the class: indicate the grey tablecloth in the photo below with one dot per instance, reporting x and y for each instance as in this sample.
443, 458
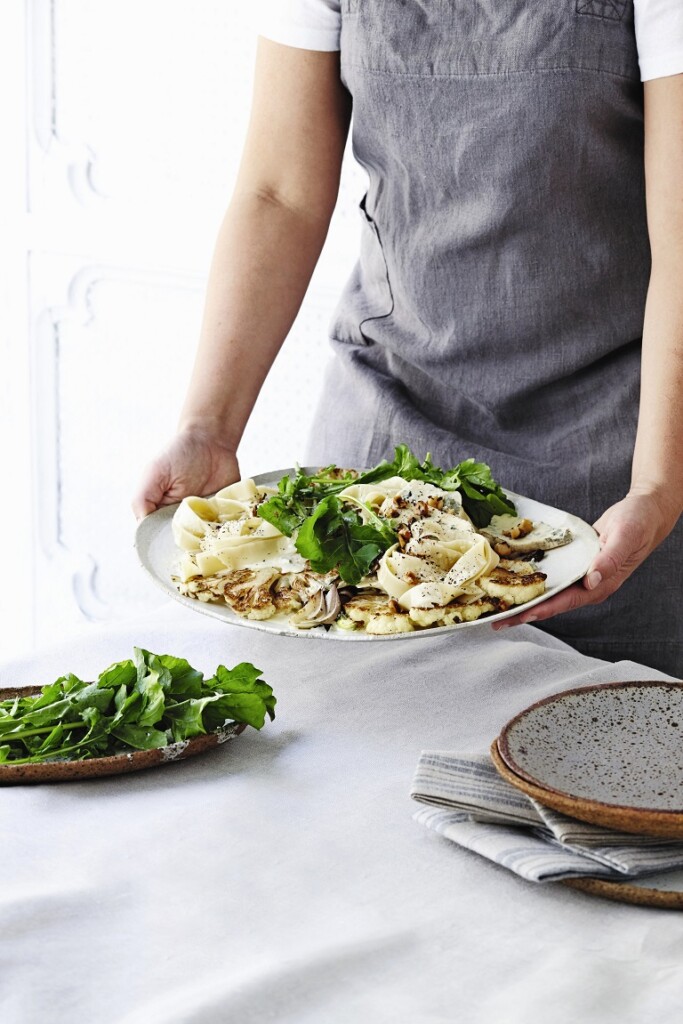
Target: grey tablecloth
282, 877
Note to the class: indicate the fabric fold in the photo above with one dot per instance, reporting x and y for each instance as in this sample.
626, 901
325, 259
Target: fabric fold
470, 804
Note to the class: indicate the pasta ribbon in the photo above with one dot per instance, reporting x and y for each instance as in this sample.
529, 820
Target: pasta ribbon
224, 532
374, 495
190, 522
398, 572
247, 542
445, 571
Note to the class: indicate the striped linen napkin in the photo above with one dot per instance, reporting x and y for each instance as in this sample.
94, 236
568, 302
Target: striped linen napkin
469, 803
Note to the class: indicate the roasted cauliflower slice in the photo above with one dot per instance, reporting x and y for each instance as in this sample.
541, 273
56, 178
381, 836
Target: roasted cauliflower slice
249, 592
452, 614
428, 617
514, 583
378, 614
362, 607
392, 622
482, 606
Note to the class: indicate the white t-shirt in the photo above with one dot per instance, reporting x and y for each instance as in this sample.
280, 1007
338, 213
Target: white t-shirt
315, 24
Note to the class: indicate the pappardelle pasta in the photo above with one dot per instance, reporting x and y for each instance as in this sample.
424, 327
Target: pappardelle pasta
387, 555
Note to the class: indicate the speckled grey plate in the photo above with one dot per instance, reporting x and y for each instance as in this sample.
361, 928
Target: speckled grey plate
159, 556
610, 754
118, 764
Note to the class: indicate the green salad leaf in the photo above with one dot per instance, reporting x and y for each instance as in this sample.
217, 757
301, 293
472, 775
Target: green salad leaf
482, 497
333, 536
140, 704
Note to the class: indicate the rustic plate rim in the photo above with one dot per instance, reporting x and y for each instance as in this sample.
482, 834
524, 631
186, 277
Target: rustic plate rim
657, 824
507, 757
621, 892
626, 892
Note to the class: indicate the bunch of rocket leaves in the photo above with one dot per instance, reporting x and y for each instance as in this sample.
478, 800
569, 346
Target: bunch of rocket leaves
140, 704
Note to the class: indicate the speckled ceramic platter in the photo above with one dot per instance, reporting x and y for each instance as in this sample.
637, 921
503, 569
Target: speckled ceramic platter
159, 557
118, 764
610, 754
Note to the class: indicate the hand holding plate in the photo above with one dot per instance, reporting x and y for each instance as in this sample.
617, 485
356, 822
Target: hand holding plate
629, 531
193, 462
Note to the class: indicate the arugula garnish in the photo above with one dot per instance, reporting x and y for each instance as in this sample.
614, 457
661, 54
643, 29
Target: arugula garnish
143, 703
335, 537
293, 503
332, 536
482, 497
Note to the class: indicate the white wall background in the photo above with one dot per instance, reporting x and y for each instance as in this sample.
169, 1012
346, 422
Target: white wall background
123, 139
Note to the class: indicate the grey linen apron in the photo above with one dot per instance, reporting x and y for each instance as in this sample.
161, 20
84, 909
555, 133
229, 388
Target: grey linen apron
497, 307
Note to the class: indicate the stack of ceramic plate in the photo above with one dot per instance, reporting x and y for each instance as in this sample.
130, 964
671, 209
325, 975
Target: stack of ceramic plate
611, 755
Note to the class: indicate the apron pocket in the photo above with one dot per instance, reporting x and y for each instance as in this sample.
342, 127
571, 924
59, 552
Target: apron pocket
472, 38
611, 10
368, 295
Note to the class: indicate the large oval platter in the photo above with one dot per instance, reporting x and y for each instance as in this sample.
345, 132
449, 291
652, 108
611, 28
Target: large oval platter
117, 764
159, 556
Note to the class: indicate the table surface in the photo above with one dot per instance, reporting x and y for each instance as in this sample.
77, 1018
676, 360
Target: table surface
281, 877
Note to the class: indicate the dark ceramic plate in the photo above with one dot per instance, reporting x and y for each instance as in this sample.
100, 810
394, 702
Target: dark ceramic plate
118, 764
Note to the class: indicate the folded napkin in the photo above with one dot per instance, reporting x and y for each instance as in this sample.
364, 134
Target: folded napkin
482, 812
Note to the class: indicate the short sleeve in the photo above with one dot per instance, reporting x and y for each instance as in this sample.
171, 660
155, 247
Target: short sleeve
307, 24
659, 35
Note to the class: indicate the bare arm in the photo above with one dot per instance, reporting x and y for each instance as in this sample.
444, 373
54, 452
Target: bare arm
265, 254
658, 459
630, 530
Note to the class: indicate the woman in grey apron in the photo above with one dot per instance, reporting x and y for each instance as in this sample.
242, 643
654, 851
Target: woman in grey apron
497, 310
498, 305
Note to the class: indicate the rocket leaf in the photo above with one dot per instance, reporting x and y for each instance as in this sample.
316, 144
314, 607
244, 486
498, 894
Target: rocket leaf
142, 704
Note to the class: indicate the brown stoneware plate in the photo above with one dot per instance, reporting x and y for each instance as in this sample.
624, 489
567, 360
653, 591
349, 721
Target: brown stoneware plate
664, 890
117, 764
607, 754
665, 893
